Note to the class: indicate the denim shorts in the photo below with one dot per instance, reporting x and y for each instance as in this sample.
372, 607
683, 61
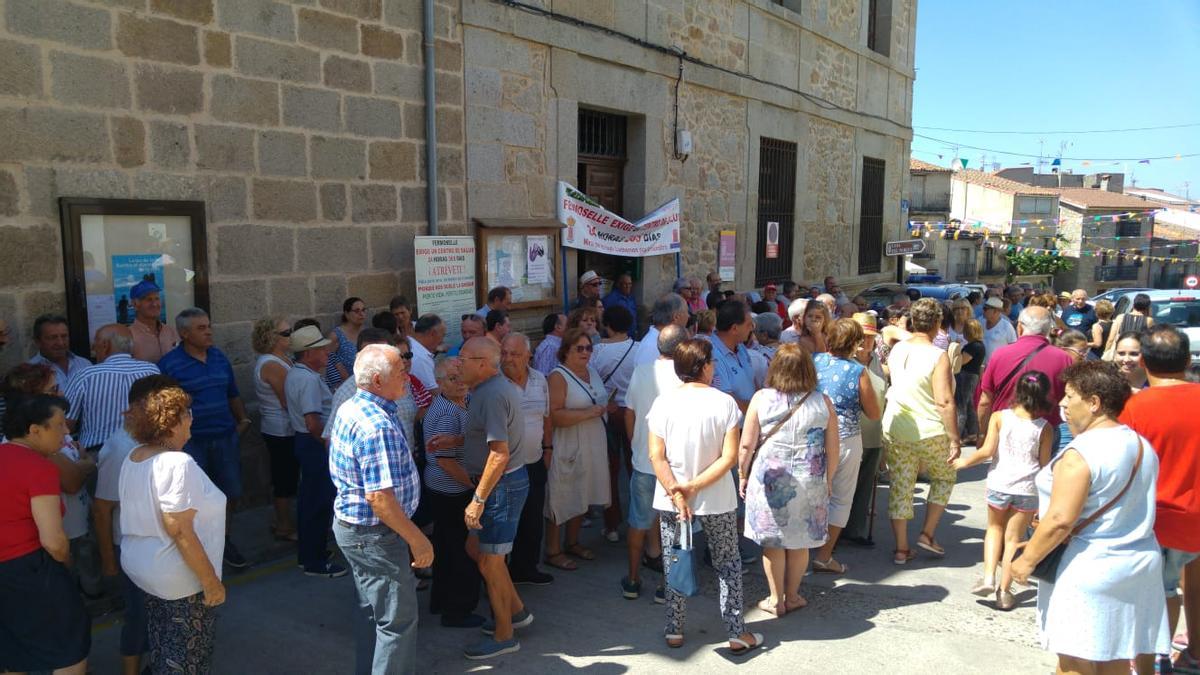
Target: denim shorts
1173, 563
1001, 501
502, 513
221, 458
641, 500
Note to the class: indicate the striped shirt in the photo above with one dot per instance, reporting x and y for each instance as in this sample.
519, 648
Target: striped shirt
75, 365
211, 385
368, 453
99, 396
545, 357
444, 417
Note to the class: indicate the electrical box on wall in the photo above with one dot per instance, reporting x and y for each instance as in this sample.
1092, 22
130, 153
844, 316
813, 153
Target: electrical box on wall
683, 142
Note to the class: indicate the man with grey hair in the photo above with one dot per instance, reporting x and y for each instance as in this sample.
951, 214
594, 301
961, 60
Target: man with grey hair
218, 415
99, 394
767, 329
670, 309
1031, 352
649, 380
428, 334
796, 321
378, 490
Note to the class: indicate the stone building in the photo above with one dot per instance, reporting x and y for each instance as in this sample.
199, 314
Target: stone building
1098, 228
988, 202
951, 251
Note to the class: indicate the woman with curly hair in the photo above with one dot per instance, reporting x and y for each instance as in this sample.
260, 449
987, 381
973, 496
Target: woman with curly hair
172, 533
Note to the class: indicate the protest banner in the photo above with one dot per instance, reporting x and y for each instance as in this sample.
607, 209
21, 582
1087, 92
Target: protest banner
591, 227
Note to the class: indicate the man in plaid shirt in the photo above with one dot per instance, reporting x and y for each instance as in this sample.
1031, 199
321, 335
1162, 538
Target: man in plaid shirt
378, 489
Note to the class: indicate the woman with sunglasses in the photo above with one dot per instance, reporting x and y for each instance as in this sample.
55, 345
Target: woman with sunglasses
270, 340
578, 476
344, 336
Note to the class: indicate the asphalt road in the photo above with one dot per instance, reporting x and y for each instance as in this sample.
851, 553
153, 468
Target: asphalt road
880, 618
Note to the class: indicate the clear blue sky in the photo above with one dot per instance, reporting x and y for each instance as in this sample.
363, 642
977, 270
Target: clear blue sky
1053, 65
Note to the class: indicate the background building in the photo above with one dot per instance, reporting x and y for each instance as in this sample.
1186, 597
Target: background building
951, 251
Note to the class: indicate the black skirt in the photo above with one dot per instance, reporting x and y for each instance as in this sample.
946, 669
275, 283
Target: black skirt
43, 623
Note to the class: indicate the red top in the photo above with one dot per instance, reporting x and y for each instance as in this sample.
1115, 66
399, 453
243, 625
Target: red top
1050, 360
1166, 417
24, 474
420, 394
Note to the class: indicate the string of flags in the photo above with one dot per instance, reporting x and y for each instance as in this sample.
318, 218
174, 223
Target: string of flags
1042, 222
957, 234
1134, 255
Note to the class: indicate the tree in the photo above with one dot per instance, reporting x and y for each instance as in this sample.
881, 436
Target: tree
1033, 262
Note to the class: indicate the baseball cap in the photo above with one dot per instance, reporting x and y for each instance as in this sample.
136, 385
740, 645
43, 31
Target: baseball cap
994, 303
143, 288
588, 276
308, 337
867, 322
770, 287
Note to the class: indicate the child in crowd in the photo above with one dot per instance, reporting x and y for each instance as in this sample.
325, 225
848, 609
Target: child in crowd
1019, 444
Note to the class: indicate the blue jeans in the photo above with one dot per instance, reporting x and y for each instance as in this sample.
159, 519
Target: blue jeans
221, 458
386, 632
502, 513
314, 504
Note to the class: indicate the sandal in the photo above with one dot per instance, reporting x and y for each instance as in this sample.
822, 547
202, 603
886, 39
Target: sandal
830, 566
560, 561
580, 552
901, 556
674, 641
775, 609
800, 604
927, 542
744, 647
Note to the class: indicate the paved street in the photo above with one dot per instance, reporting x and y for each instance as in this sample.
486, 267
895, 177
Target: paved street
881, 618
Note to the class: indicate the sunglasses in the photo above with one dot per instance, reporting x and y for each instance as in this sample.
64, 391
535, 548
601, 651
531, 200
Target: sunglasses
407, 356
580, 349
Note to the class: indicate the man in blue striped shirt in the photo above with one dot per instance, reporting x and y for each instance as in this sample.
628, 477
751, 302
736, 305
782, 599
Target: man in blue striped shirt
99, 394
378, 490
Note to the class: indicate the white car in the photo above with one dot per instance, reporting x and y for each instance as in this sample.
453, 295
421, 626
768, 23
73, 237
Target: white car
1114, 294
1178, 307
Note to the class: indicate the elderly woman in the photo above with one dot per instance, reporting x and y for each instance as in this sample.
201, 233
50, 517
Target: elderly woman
920, 425
586, 319
344, 336
693, 445
1106, 605
455, 592
789, 456
270, 340
578, 476
846, 383
814, 327
172, 533
43, 624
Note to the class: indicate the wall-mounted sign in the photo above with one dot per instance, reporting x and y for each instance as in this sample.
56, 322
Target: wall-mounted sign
772, 239
727, 255
445, 272
904, 247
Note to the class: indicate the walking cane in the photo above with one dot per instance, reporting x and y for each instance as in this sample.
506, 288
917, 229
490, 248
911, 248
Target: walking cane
871, 511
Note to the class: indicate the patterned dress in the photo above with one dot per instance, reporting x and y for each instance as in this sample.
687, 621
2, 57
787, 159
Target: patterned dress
787, 501
342, 352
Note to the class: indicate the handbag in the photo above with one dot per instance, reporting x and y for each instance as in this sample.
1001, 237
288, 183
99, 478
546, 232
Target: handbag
1047, 568
681, 576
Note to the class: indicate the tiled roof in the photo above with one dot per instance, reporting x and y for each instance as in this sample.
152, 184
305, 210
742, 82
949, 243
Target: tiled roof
915, 164
1002, 184
1090, 198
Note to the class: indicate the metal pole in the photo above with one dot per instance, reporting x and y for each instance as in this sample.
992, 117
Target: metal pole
562, 253
678, 266
431, 183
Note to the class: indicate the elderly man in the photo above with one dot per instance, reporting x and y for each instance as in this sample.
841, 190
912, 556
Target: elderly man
53, 341
767, 329
499, 298
218, 415
670, 309
378, 489
1016, 296
472, 325
770, 296
151, 337
714, 295
308, 404
733, 369
1079, 314
589, 290
796, 321
494, 458
545, 359
1032, 351
536, 442
830, 303
622, 295
649, 380
997, 331
832, 288
427, 336
99, 394
1165, 415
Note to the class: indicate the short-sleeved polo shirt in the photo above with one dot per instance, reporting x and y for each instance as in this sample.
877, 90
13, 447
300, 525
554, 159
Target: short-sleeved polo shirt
211, 385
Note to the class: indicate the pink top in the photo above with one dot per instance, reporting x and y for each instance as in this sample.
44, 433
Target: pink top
1016, 461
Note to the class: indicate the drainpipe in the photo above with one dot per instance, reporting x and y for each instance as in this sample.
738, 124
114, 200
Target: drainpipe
431, 184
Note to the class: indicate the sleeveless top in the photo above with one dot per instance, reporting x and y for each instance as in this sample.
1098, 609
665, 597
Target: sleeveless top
1105, 329
1016, 463
274, 417
1133, 322
838, 379
911, 414
343, 352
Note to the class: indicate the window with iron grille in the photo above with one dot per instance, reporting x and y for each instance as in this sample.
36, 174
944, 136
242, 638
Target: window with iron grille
776, 204
870, 222
601, 134
1127, 227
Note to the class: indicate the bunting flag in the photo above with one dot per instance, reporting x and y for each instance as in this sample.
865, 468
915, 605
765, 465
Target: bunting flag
1133, 255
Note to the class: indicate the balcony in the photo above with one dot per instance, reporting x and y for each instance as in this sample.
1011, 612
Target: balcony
1118, 272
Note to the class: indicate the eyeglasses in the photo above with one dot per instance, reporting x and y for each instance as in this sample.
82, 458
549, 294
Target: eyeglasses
358, 310
593, 283
580, 349
286, 332
407, 356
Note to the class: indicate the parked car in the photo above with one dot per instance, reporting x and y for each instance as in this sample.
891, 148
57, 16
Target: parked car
880, 295
1179, 307
1114, 294
942, 291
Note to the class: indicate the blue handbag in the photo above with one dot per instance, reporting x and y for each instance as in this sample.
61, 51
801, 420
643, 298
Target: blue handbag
681, 576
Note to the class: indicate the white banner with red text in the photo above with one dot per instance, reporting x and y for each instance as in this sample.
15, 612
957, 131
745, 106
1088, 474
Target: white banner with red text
591, 227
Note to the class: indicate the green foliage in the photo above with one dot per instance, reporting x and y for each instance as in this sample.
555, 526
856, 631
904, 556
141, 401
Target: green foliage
1031, 262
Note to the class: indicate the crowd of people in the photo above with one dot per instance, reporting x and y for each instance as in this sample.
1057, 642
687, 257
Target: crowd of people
470, 468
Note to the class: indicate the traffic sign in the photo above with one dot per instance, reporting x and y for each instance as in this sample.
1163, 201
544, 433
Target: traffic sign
772, 239
904, 247
1191, 281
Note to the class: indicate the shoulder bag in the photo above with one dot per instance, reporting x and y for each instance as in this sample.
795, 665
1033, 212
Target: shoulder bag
778, 425
1020, 367
1047, 567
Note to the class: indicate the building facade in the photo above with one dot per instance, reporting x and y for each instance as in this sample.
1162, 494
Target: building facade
988, 203
951, 251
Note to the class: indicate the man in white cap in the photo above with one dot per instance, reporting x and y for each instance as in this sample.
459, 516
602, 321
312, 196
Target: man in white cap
589, 289
997, 332
308, 402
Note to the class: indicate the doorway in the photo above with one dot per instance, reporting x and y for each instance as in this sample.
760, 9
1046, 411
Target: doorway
601, 176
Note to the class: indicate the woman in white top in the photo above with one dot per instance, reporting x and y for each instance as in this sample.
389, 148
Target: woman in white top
578, 473
1106, 605
693, 443
614, 359
270, 341
172, 533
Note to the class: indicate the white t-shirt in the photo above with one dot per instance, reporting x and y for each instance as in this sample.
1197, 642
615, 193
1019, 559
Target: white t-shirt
646, 351
422, 364
108, 473
648, 382
997, 336
607, 360
693, 421
75, 517
168, 482
535, 407
789, 335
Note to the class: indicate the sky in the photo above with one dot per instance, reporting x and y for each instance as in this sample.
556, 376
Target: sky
1054, 66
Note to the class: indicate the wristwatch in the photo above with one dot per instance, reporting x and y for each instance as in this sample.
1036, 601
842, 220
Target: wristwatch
477, 499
